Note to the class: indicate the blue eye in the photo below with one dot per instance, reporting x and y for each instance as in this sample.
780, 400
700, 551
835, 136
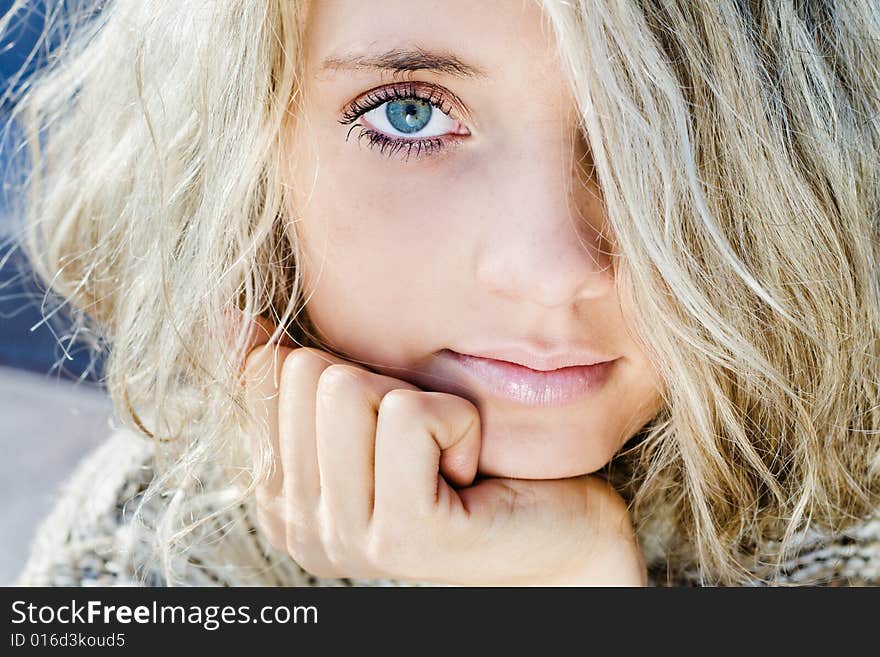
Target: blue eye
392, 115
408, 116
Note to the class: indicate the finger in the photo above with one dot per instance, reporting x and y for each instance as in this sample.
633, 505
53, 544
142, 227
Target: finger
348, 404
297, 426
419, 436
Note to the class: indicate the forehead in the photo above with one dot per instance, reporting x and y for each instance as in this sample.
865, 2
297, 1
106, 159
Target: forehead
490, 38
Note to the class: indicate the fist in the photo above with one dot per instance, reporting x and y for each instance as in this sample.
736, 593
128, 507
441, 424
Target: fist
373, 477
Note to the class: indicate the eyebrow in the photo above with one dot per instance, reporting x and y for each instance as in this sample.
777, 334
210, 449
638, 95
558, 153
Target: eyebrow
400, 60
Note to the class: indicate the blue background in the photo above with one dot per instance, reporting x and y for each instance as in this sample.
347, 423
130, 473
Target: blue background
36, 350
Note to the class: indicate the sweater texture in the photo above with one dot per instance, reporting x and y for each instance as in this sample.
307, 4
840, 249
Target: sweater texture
90, 538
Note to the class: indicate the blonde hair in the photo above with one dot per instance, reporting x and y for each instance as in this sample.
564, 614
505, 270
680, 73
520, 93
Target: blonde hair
736, 145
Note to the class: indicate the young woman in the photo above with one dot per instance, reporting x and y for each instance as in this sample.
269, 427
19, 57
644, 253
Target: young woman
571, 292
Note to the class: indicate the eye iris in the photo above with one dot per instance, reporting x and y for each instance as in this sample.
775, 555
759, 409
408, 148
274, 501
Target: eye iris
408, 115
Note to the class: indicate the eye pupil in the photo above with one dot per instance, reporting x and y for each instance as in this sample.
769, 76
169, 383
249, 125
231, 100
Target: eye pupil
408, 116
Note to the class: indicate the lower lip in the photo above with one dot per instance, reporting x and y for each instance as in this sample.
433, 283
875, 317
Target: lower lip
524, 385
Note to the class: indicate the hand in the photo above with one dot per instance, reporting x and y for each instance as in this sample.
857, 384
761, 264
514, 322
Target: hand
377, 479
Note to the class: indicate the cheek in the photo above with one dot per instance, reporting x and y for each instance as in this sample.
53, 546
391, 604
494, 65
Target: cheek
381, 221
373, 220
638, 396
354, 241
374, 269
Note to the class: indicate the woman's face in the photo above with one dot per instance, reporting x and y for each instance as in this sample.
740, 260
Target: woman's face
471, 226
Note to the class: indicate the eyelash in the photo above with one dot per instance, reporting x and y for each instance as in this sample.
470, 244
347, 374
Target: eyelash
375, 139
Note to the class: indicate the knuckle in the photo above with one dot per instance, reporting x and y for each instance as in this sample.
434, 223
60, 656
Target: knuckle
401, 401
309, 357
303, 363
339, 380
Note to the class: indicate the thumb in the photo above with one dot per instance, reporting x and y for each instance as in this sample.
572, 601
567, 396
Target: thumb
418, 430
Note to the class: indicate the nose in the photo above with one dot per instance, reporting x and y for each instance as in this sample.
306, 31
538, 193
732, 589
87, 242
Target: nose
544, 241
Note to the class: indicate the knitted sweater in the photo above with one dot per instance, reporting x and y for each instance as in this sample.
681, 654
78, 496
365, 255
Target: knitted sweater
89, 539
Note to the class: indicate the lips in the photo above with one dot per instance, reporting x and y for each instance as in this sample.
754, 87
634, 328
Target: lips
524, 385
540, 354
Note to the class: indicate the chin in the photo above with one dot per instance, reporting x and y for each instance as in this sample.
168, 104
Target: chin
511, 469
524, 456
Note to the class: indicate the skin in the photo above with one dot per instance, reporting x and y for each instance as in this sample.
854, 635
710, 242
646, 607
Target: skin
500, 238
483, 245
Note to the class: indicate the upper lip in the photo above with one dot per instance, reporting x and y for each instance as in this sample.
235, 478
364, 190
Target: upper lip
542, 360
